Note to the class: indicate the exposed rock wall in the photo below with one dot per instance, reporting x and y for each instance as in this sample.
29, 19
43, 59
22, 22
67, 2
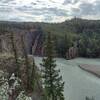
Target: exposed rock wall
32, 38
72, 53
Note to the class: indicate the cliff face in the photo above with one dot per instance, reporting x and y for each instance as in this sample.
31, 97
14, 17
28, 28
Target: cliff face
32, 39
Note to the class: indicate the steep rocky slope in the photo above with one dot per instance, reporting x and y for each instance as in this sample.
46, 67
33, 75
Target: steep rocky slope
14, 88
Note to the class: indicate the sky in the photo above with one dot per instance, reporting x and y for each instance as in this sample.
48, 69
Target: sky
48, 10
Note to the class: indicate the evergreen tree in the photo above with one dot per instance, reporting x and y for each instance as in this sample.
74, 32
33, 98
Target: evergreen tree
52, 81
34, 78
87, 98
30, 70
26, 62
14, 48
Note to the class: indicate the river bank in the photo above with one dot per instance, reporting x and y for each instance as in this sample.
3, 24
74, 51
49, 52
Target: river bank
93, 69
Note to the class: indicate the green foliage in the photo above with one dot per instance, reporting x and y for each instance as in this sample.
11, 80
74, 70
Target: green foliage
34, 77
89, 46
30, 70
87, 98
22, 96
15, 53
76, 29
26, 62
64, 44
85, 33
52, 81
31, 75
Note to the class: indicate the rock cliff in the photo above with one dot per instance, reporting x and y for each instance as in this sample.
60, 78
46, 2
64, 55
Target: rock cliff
32, 38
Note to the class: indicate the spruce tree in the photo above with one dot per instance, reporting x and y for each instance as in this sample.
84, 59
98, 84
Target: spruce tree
87, 98
30, 70
33, 77
26, 62
53, 83
14, 49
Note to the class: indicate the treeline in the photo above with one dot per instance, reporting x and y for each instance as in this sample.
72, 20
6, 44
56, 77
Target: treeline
75, 32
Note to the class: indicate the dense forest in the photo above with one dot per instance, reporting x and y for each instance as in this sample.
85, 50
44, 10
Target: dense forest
81, 33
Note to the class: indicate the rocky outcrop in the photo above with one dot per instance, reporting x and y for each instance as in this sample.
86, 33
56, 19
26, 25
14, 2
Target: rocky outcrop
72, 53
8, 67
10, 88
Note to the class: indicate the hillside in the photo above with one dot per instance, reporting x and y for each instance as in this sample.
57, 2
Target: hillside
80, 33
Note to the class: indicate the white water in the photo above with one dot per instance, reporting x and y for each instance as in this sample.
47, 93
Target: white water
78, 83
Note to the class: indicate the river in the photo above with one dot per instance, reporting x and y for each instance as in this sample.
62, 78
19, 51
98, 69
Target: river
78, 83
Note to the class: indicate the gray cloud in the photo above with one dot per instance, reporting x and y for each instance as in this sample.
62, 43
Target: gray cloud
87, 9
97, 7
66, 2
57, 12
4, 9
75, 12
70, 2
24, 8
42, 11
6, 1
47, 11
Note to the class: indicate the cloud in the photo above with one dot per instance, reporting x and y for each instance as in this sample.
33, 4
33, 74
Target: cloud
66, 2
6, 1
48, 10
87, 9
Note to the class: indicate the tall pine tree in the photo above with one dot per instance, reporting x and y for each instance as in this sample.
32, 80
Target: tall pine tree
53, 83
14, 49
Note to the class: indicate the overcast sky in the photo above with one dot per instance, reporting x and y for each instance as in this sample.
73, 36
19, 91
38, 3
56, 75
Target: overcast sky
48, 10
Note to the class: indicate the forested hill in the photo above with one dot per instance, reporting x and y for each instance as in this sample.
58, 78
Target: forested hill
85, 34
